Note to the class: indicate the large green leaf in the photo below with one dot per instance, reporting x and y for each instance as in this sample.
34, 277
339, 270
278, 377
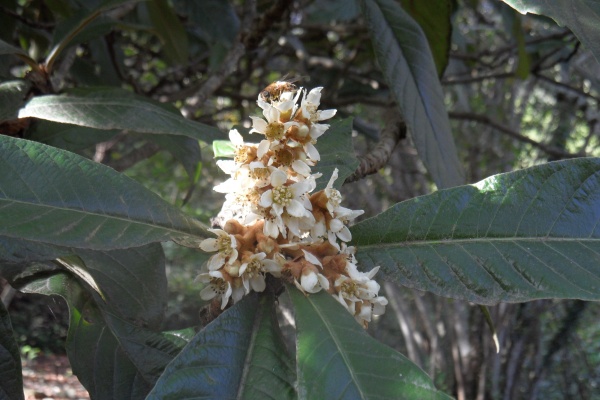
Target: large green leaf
337, 151
113, 358
68, 137
403, 53
170, 30
105, 110
434, 17
20, 251
53, 196
239, 355
133, 281
513, 237
337, 359
11, 379
580, 16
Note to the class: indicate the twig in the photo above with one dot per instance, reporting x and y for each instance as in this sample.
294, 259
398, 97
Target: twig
135, 156
394, 131
484, 119
249, 39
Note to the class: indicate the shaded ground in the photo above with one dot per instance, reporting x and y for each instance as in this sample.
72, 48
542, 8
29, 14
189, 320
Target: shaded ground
50, 377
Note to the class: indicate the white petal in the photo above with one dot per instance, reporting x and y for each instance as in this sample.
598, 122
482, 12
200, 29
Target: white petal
344, 234
326, 114
372, 272
216, 262
312, 151
278, 177
335, 225
237, 294
227, 166
266, 199
229, 186
323, 281
334, 176
271, 114
317, 130
236, 138
258, 125
258, 283
309, 282
207, 293
296, 209
314, 96
209, 245
225, 298
301, 167
311, 258
263, 147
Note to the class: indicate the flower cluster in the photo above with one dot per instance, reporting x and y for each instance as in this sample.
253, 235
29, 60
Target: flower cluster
278, 226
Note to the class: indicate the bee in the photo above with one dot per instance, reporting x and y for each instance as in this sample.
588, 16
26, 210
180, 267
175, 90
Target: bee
273, 92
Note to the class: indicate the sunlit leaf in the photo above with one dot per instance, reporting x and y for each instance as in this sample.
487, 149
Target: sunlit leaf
239, 355
106, 111
56, 197
580, 16
513, 237
338, 360
12, 97
402, 51
435, 18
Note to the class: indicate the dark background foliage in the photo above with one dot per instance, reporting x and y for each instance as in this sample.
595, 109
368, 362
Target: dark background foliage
520, 90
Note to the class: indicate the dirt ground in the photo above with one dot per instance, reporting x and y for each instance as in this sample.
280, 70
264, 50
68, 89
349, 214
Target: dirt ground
50, 377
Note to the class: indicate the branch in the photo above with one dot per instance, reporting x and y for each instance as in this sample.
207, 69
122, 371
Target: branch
394, 131
249, 39
484, 119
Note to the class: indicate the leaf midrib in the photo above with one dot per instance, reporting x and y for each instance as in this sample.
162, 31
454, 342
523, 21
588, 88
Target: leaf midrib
106, 216
450, 241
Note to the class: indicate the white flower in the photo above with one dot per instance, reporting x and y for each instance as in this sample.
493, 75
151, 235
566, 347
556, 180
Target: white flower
334, 197
282, 197
310, 105
225, 244
273, 129
253, 271
360, 294
217, 287
311, 280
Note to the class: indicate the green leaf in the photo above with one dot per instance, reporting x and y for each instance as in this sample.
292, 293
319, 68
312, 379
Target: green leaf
12, 97
337, 359
11, 378
435, 18
23, 251
106, 111
337, 151
133, 281
239, 355
524, 235
216, 21
52, 196
68, 137
170, 30
223, 149
113, 358
403, 53
580, 16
